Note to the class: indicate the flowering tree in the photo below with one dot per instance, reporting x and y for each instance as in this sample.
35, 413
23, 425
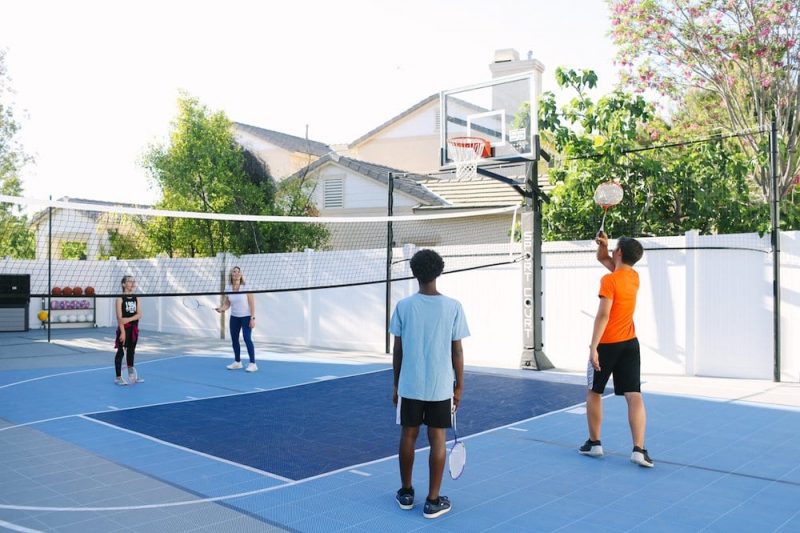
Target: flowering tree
744, 52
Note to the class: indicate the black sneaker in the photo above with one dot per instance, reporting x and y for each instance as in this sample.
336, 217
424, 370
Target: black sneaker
436, 508
405, 498
640, 457
592, 448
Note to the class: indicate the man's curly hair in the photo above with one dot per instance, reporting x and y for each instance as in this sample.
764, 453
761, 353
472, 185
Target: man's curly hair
427, 265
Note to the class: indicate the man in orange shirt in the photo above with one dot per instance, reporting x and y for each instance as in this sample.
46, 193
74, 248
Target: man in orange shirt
615, 349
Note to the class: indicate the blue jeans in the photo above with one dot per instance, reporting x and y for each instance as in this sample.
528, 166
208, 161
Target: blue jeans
237, 324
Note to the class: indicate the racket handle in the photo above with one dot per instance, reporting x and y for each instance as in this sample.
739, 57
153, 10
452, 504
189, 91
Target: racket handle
603, 223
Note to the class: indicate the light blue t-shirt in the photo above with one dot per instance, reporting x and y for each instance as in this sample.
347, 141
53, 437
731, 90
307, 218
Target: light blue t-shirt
427, 326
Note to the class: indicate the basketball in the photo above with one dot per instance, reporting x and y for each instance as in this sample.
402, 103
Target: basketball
77, 291
42, 315
56, 291
89, 291
66, 291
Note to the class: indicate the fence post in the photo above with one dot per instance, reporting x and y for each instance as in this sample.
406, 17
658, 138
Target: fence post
691, 286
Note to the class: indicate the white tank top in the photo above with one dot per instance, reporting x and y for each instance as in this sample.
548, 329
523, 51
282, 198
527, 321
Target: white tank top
238, 301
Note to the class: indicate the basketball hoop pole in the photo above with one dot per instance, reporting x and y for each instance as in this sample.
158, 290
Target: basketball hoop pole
533, 356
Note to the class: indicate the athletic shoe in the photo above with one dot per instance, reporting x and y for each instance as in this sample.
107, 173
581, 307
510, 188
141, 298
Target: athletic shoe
132, 380
405, 498
120, 381
236, 365
640, 457
252, 367
592, 448
436, 508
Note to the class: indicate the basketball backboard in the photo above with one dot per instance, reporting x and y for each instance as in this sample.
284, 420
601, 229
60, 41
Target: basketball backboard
498, 111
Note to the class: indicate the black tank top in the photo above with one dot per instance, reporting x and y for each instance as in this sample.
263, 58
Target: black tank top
129, 307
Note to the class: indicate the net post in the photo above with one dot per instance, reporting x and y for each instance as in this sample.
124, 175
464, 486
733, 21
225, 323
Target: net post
389, 248
776, 251
223, 279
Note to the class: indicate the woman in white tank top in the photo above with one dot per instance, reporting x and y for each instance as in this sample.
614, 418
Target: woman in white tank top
243, 318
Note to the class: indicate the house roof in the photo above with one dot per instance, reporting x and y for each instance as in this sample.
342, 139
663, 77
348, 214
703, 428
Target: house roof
36, 218
410, 184
286, 141
478, 192
410, 110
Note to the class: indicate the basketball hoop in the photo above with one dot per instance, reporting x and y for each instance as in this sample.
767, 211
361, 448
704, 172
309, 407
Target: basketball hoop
466, 152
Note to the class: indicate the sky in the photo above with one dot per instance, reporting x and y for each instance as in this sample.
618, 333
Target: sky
96, 82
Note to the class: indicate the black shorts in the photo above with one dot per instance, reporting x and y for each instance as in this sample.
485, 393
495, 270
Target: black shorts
414, 413
620, 359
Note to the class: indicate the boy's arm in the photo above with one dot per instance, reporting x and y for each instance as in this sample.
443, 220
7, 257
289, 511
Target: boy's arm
457, 355
602, 251
600, 322
397, 363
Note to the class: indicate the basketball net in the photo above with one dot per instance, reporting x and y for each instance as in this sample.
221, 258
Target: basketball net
465, 152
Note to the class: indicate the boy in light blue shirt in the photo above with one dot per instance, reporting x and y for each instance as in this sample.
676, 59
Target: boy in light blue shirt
428, 367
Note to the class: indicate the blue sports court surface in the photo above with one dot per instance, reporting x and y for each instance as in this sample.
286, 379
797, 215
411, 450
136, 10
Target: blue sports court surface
309, 443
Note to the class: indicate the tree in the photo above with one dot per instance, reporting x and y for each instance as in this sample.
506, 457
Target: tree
746, 53
669, 191
203, 169
16, 240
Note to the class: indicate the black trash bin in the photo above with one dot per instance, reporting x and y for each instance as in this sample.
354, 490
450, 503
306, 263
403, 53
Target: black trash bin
15, 299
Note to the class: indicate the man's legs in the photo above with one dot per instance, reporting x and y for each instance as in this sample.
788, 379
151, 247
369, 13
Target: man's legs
436, 437
594, 414
408, 441
637, 417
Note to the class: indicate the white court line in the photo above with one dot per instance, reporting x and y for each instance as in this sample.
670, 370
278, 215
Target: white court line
181, 401
15, 527
360, 473
15, 383
252, 492
517, 429
195, 452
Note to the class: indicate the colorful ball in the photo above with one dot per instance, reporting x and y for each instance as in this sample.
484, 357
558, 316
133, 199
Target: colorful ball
42, 315
89, 291
66, 291
77, 291
56, 291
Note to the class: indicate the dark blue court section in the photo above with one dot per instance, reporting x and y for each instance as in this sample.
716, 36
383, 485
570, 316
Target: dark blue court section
303, 431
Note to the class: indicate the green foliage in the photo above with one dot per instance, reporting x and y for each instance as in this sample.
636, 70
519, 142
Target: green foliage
203, 169
668, 191
16, 240
73, 250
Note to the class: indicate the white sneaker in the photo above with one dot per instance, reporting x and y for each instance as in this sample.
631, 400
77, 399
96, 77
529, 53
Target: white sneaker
252, 367
236, 365
120, 381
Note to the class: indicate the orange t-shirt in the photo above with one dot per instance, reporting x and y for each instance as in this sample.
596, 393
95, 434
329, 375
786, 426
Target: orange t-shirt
620, 287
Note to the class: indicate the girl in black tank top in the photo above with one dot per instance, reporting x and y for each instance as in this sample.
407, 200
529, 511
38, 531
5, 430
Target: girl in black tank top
128, 314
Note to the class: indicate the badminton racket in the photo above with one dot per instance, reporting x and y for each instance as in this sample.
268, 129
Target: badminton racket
133, 376
192, 303
458, 454
607, 194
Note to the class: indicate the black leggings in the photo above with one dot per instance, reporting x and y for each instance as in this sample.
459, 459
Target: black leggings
128, 349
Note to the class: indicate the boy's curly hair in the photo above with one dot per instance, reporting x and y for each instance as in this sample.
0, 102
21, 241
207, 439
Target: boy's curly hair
427, 265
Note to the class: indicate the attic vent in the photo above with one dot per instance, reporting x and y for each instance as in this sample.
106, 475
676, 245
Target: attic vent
333, 193
437, 121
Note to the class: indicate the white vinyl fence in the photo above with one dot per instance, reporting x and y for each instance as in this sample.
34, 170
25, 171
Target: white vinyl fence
702, 311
